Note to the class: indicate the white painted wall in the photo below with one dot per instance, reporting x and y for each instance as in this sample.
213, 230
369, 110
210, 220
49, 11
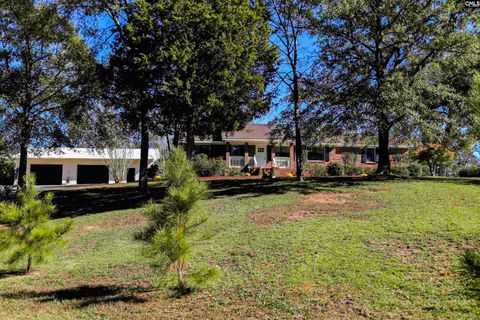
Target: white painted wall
69, 171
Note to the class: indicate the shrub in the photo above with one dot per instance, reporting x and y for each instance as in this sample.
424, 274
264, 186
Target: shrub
369, 171
400, 170
351, 170
417, 170
409, 170
470, 172
433, 155
319, 171
7, 171
335, 169
29, 233
349, 158
234, 172
170, 234
205, 167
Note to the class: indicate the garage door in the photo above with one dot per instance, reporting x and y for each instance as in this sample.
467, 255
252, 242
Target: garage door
92, 174
47, 174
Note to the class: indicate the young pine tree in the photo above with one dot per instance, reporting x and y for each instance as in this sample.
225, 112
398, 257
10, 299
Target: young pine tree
26, 231
170, 235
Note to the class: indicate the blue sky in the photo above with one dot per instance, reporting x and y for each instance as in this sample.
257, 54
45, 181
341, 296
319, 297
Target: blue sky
307, 58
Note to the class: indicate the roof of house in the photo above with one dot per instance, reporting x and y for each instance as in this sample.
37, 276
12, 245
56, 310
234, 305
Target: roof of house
251, 131
262, 132
86, 153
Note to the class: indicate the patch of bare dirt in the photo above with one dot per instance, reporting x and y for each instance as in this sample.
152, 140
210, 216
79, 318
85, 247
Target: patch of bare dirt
429, 255
325, 203
123, 221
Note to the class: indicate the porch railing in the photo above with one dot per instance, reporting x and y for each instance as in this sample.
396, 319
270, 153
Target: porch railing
282, 162
237, 161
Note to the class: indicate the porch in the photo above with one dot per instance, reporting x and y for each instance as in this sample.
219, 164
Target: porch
240, 154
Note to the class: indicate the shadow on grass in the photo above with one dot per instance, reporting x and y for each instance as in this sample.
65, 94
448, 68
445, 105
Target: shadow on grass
77, 202
83, 295
11, 273
454, 180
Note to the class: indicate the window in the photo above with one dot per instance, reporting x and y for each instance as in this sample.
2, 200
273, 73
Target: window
317, 153
281, 151
370, 155
237, 150
202, 148
260, 150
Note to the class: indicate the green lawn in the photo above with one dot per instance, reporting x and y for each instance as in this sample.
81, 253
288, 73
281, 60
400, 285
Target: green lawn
319, 250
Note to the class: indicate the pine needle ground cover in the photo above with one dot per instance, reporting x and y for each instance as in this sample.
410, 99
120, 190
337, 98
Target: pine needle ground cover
383, 250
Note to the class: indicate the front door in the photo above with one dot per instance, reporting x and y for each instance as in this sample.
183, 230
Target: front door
261, 156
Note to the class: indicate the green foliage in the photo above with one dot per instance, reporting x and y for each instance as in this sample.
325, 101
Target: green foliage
215, 79
234, 172
470, 172
409, 170
205, 167
170, 235
433, 155
474, 94
349, 158
370, 75
400, 170
335, 169
45, 77
417, 170
7, 171
29, 233
352, 170
318, 171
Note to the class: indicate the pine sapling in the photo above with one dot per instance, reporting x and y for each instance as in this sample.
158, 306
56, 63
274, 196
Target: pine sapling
26, 232
170, 235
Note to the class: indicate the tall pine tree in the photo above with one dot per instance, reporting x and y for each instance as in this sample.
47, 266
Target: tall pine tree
44, 66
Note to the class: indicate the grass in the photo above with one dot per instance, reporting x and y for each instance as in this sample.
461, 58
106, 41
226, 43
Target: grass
396, 258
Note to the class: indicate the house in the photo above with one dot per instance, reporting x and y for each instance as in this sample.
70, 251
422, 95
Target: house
254, 146
68, 166
251, 146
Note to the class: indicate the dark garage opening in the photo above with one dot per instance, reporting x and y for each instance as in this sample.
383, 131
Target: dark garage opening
47, 174
131, 175
92, 174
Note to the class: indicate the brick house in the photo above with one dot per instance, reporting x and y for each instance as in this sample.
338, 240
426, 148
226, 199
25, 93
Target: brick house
254, 146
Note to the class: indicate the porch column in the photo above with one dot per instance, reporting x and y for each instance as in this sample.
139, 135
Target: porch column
273, 154
245, 153
227, 154
293, 164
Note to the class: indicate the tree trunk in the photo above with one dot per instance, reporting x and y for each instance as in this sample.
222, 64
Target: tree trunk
190, 143
143, 179
383, 151
168, 142
176, 136
298, 132
29, 265
22, 168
